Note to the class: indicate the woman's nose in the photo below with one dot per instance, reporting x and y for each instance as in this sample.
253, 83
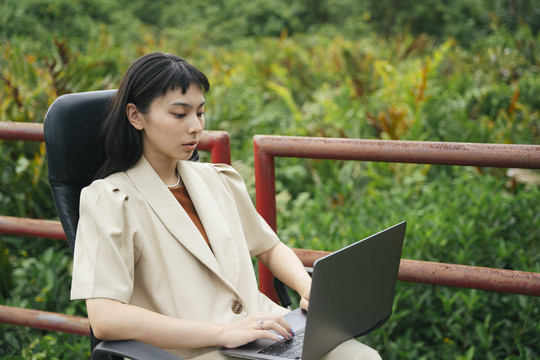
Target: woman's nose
195, 124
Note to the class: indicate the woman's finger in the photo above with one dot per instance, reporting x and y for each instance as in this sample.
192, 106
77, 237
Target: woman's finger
276, 324
304, 303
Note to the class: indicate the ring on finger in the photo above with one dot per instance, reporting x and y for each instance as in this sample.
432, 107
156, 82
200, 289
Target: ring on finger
261, 324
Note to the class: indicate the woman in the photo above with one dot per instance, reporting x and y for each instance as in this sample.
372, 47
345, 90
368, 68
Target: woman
164, 245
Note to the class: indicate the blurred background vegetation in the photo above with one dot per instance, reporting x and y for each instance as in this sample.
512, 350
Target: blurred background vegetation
433, 70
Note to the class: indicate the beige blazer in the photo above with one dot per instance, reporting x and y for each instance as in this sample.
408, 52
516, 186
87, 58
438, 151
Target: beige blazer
136, 244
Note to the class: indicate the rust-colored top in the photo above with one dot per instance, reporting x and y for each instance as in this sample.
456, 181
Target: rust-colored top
181, 194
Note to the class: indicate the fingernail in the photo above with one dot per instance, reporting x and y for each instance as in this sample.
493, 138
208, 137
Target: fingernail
292, 332
281, 337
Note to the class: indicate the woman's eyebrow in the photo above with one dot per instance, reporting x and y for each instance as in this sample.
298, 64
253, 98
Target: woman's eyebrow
177, 103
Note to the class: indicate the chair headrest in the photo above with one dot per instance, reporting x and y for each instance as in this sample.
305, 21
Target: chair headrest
70, 128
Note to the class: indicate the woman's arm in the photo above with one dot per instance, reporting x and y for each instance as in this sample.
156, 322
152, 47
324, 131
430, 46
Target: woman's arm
114, 320
287, 267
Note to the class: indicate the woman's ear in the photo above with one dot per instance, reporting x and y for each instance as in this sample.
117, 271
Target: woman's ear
134, 116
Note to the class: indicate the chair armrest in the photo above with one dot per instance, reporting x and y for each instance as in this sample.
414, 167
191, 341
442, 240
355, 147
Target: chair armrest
132, 349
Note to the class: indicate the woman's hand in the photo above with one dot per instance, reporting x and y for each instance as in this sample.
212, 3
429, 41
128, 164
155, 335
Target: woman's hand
256, 326
304, 298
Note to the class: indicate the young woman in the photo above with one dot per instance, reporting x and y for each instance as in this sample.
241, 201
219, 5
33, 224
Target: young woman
164, 245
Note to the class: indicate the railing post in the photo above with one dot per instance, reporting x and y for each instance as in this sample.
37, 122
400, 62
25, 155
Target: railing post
219, 145
265, 199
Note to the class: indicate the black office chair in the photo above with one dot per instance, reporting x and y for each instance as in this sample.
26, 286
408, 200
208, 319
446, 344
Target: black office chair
70, 128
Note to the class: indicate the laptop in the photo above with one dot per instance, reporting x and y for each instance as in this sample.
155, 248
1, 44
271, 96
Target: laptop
352, 294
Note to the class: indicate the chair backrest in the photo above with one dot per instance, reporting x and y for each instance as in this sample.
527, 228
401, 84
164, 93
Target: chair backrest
70, 130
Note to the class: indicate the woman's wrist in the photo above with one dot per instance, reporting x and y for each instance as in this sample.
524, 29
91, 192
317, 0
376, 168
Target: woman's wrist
217, 334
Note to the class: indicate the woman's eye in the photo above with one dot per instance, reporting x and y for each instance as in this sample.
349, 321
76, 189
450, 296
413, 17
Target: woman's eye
180, 116
201, 114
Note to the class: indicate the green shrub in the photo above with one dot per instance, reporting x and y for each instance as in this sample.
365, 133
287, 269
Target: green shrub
455, 215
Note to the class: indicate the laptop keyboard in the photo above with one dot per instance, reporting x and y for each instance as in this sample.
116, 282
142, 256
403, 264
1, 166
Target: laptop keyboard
288, 349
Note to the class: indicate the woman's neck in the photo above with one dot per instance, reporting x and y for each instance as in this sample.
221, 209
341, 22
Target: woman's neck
166, 170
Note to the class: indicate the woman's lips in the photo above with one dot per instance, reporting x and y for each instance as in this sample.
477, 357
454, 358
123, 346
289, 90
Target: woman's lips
191, 146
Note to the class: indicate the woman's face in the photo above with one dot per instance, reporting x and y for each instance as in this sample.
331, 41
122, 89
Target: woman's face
172, 127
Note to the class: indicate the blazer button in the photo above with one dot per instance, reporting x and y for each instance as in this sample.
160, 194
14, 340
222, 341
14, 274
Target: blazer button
237, 307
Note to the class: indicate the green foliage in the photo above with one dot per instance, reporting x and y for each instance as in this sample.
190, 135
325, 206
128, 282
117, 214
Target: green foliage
25, 343
455, 215
434, 70
37, 24
24, 174
41, 279
464, 311
6, 270
224, 21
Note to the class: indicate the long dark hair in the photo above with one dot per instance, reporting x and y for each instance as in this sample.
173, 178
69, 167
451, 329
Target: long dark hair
147, 78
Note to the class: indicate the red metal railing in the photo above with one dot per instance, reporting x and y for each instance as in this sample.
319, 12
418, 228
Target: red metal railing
49, 229
266, 148
21, 131
217, 142
45, 320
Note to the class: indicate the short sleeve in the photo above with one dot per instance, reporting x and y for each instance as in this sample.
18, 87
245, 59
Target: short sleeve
259, 235
104, 257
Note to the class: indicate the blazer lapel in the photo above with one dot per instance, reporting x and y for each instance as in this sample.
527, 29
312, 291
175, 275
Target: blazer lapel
171, 213
216, 227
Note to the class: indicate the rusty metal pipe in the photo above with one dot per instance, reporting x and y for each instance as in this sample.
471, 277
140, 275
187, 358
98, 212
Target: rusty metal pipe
463, 276
472, 277
418, 152
217, 142
49, 229
21, 131
45, 320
